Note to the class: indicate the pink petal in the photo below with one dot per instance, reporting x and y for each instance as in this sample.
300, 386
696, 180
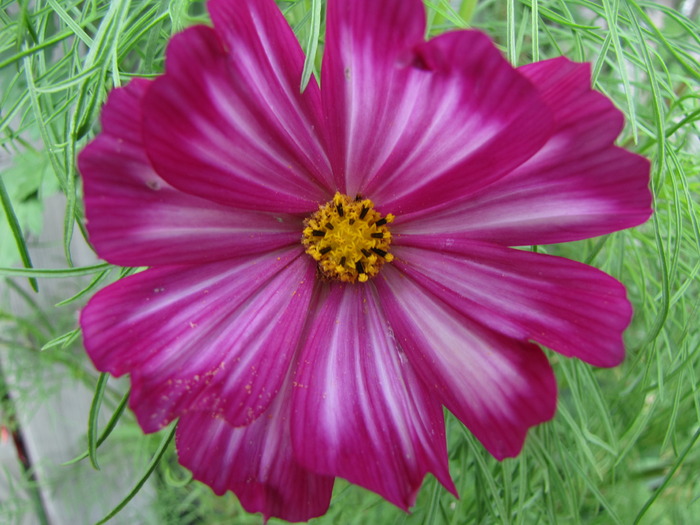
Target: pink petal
497, 386
567, 306
216, 337
363, 39
359, 411
414, 122
227, 122
255, 462
578, 186
135, 218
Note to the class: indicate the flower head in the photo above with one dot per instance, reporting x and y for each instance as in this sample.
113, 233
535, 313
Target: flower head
329, 268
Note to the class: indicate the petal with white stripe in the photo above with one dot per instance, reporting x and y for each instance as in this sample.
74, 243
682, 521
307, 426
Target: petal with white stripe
227, 121
579, 185
497, 386
218, 337
135, 218
255, 462
567, 306
359, 411
411, 122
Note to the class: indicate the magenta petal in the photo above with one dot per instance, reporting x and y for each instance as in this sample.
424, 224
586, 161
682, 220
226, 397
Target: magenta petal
359, 411
578, 186
566, 88
255, 462
497, 386
227, 122
413, 121
364, 40
217, 337
567, 306
121, 115
135, 218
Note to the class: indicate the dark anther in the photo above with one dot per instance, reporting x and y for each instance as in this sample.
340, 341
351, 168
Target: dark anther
360, 269
342, 261
379, 252
351, 222
339, 207
318, 233
358, 197
329, 226
324, 251
364, 211
379, 235
380, 222
366, 253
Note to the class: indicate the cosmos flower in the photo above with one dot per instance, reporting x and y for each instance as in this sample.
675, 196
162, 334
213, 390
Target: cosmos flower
329, 268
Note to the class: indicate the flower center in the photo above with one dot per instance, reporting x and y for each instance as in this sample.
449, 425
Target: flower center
348, 238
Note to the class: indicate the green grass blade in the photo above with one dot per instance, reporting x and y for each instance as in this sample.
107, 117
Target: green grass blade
668, 477
96, 281
68, 20
55, 274
111, 424
63, 340
167, 438
611, 13
311, 44
535, 22
92, 419
17, 233
511, 26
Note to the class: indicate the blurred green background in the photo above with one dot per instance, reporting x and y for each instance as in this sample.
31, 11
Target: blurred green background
623, 448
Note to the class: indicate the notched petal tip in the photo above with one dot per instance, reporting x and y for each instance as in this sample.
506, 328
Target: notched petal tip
497, 386
566, 87
578, 185
362, 413
443, 53
574, 309
254, 462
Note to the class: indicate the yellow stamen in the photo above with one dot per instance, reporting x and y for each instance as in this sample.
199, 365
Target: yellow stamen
348, 238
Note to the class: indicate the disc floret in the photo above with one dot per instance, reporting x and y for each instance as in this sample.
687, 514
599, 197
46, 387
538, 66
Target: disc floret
348, 238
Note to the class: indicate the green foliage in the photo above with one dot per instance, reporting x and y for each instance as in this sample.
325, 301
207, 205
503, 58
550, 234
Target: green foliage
623, 446
23, 186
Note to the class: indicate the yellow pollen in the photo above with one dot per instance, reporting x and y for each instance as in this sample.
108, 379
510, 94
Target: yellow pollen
348, 238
